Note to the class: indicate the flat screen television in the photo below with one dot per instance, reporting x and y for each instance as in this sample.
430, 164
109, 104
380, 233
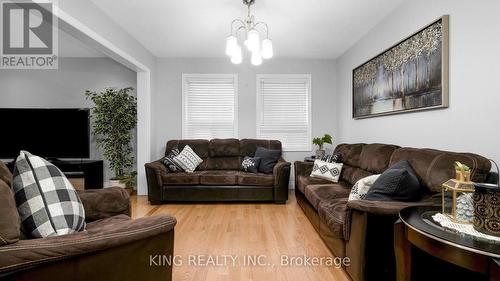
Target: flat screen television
49, 133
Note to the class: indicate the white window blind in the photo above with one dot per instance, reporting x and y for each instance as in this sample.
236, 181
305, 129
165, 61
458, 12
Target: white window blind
284, 110
209, 106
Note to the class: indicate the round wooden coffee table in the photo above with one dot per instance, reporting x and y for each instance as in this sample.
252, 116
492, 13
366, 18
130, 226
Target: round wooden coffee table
416, 227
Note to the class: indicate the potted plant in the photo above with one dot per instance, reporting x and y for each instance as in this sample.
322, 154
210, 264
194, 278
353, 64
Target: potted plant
462, 172
320, 141
114, 118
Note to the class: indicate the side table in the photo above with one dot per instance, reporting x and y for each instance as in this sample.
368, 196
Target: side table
416, 227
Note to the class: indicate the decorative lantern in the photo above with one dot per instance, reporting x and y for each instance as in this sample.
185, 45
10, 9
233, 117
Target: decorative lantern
457, 200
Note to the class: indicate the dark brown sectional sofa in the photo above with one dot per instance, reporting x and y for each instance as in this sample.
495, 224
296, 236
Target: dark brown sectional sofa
363, 230
218, 178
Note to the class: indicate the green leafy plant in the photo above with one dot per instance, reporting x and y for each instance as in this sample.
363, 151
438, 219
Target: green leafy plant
320, 141
114, 119
461, 167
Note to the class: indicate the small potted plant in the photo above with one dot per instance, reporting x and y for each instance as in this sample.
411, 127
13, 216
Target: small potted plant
320, 141
114, 119
462, 172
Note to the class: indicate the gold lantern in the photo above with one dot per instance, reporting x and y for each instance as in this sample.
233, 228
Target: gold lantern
457, 200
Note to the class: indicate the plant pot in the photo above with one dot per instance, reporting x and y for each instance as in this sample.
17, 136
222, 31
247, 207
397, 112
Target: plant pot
113, 182
319, 154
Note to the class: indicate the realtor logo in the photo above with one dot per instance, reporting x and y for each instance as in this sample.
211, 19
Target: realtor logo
28, 35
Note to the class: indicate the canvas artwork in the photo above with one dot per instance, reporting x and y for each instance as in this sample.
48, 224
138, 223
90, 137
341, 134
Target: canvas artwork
412, 75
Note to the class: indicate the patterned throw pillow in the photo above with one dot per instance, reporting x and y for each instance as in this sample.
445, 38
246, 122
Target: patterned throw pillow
188, 160
332, 158
361, 187
250, 164
327, 171
47, 202
170, 163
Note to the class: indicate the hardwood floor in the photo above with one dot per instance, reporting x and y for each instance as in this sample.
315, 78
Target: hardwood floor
207, 232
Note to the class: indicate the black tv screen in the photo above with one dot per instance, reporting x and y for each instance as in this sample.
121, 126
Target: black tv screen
50, 133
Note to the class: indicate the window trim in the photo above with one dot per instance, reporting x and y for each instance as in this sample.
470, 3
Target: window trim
259, 108
186, 76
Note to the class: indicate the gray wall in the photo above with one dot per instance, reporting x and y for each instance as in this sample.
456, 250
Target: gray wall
167, 101
64, 87
471, 121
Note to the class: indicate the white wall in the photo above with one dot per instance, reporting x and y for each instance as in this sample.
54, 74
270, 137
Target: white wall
167, 100
64, 87
471, 123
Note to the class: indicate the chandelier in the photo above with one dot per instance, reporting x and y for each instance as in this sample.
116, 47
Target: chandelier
259, 50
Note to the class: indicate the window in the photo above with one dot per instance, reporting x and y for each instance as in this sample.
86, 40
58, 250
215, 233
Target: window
209, 108
284, 110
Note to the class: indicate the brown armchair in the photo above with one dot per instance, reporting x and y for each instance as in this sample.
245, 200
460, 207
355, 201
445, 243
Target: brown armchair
113, 246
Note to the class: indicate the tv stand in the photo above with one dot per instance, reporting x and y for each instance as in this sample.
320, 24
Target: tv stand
92, 171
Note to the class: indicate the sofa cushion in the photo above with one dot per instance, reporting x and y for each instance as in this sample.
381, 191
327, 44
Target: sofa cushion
257, 179
250, 164
434, 167
5, 174
181, 178
352, 174
316, 194
325, 170
303, 181
249, 146
169, 162
222, 163
188, 159
10, 225
224, 148
219, 177
99, 224
398, 183
333, 214
47, 202
351, 153
375, 157
269, 158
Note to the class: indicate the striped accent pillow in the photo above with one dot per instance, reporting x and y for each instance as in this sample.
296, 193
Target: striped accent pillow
188, 159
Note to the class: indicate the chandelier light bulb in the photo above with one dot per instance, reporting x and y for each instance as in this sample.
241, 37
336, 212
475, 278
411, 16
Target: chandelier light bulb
231, 44
267, 49
253, 38
237, 56
256, 58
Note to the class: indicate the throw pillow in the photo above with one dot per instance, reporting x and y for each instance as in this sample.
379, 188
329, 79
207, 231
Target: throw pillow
359, 190
327, 171
332, 158
398, 183
47, 202
170, 163
188, 160
250, 164
269, 158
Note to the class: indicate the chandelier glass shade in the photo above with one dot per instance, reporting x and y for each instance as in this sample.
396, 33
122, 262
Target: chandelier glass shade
250, 32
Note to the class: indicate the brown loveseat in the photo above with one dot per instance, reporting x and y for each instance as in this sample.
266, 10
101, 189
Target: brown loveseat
363, 230
218, 178
113, 247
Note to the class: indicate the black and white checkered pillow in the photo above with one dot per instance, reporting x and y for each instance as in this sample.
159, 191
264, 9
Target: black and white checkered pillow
47, 202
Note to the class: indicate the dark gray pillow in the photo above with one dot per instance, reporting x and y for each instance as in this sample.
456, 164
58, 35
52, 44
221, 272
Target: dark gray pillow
398, 183
269, 158
170, 163
250, 164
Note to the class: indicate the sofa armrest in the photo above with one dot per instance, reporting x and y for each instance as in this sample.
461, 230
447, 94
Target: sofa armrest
281, 172
303, 168
385, 208
30, 252
154, 172
103, 203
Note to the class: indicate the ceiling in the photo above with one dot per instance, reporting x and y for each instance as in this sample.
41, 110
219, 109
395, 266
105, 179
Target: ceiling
198, 28
70, 47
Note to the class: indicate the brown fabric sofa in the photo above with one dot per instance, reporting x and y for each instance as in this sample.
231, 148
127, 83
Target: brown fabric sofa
113, 247
218, 178
363, 230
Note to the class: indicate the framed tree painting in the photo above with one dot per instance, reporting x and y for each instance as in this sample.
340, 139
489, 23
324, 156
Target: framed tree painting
409, 76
